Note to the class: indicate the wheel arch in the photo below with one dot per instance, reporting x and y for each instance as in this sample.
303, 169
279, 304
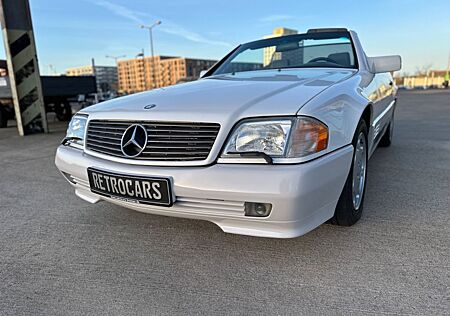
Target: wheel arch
367, 114
341, 107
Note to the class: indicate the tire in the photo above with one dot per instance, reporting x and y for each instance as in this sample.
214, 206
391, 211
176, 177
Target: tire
3, 117
386, 140
63, 112
349, 209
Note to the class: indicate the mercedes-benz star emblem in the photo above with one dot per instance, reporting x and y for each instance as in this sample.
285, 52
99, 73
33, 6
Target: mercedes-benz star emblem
134, 140
149, 106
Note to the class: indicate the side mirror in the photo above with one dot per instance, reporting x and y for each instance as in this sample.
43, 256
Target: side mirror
202, 73
384, 63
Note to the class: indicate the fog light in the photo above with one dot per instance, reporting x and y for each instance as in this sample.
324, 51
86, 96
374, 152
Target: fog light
257, 209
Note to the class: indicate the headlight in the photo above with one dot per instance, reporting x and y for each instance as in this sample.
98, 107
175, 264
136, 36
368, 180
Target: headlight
284, 138
75, 130
269, 137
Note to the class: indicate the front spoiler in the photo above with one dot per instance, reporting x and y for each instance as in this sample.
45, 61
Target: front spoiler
303, 196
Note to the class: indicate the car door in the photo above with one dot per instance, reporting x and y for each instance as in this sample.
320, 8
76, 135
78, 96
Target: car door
372, 93
383, 107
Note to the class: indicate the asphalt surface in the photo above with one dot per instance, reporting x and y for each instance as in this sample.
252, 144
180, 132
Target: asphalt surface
60, 255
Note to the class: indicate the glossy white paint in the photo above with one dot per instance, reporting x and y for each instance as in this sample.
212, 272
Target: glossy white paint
384, 63
303, 193
295, 191
225, 100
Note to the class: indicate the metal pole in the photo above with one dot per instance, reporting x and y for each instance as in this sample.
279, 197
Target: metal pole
150, 31
446, 79
116, 58
153, 57
448, 64
94, 73
144, 66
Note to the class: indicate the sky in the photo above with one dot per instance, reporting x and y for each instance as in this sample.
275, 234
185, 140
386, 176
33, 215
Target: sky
69, 33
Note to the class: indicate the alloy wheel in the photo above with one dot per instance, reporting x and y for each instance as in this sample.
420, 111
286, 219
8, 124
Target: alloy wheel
359, 171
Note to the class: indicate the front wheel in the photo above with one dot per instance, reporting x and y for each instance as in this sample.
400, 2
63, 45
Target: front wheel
350, 205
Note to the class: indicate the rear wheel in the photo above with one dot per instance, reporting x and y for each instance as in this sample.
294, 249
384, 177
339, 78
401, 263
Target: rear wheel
3, 117
350, 205
63, 111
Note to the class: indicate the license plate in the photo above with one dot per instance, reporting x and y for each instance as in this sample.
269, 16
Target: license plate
142, 190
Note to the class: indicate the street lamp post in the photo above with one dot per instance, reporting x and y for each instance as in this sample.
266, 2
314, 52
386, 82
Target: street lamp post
150, 29
115, 57
448, 64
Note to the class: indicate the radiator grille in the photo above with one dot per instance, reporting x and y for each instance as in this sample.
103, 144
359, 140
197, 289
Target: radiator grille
167, 141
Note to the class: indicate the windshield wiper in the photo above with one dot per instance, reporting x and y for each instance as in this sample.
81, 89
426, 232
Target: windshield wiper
253, 154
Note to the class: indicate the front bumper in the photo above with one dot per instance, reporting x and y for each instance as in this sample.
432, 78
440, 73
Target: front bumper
303, 196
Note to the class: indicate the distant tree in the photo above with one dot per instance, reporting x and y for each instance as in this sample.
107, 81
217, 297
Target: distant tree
423, 70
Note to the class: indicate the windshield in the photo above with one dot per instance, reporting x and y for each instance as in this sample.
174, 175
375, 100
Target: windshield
328, 49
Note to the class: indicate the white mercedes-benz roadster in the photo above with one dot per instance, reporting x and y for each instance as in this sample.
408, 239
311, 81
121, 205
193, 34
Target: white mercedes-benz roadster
272, 141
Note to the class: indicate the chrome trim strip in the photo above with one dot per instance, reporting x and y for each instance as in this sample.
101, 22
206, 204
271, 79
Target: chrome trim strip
243, 160
147, 162
75, 145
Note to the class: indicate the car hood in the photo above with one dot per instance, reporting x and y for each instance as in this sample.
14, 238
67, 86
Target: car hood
224, 98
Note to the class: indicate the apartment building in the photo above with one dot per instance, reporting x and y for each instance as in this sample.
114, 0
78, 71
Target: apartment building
140, 74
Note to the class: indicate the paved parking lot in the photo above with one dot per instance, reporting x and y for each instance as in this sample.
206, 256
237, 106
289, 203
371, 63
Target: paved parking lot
61, 255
